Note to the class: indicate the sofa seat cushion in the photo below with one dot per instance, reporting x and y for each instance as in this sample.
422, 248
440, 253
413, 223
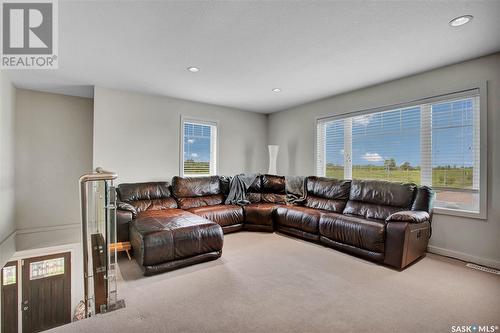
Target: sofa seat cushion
260, 213
224, 215
162, 236
361, 233
298, 217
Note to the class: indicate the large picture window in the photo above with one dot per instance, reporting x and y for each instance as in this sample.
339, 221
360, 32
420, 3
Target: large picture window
433, 142
199, 148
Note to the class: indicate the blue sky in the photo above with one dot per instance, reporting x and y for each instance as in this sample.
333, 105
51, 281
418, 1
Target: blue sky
396, 134
197, 142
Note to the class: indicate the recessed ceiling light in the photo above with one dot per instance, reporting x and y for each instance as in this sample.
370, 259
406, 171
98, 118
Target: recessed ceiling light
276, 90
461, 20
193, 69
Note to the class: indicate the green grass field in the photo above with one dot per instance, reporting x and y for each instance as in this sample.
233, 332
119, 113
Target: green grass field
441, 177
194, 168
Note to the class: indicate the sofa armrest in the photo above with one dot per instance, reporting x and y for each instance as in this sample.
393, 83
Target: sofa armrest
409, 216
405, 242
127, 207
123, 219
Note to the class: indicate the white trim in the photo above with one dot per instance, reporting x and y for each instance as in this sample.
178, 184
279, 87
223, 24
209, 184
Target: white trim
483, 150
45, 251
48, 228
214, 164
464, 256
479, 89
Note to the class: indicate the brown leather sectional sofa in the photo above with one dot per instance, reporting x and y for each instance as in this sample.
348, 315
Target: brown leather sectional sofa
174, 226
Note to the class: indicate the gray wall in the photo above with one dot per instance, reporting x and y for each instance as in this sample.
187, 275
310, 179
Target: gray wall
53, 135
7, 222
138, 135
469, 239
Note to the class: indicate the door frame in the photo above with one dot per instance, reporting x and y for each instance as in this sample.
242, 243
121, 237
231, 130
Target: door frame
76, 272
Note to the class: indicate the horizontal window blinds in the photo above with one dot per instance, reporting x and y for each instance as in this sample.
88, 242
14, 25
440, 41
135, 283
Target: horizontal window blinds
385, 146
455, 153
199, 149
435, 142
330, 137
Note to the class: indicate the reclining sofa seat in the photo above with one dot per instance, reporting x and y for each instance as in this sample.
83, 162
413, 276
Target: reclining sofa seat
203, 196
266, 194
323, 195
162, 236
382, 221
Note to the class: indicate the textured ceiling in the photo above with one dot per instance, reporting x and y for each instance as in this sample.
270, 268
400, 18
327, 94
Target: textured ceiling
309, 49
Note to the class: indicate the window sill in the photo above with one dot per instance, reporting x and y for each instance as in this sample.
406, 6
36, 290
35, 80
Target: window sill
460, 213
194, 175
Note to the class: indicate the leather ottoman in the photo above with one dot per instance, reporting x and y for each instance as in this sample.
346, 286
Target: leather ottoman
164, 240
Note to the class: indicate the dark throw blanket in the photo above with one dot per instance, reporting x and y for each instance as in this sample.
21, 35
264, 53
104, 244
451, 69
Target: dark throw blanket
238, 188
295, 189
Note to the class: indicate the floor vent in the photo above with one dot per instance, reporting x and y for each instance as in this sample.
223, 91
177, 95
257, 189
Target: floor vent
484, 269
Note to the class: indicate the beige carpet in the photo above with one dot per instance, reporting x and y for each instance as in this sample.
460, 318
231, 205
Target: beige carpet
272, 283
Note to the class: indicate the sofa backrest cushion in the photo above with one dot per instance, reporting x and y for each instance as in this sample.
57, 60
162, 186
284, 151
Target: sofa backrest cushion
147, 196
192, 192
225, 182
267, 188
424, 199
195, 186
327, 193
273, 184
254, 191
377, 199
207, 200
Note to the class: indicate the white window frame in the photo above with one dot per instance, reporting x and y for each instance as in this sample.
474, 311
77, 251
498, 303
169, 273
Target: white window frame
425, 176
214, 145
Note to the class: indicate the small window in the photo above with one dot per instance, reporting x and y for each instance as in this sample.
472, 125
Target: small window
46, 268
199, 148
9, 275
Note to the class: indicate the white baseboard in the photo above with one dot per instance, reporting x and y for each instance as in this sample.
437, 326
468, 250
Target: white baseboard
464, 256
7, 248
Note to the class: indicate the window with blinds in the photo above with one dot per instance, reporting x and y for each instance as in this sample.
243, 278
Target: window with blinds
199, 144
433, 142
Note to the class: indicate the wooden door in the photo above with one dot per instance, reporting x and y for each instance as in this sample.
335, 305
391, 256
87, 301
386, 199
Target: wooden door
46, 301
9, 298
